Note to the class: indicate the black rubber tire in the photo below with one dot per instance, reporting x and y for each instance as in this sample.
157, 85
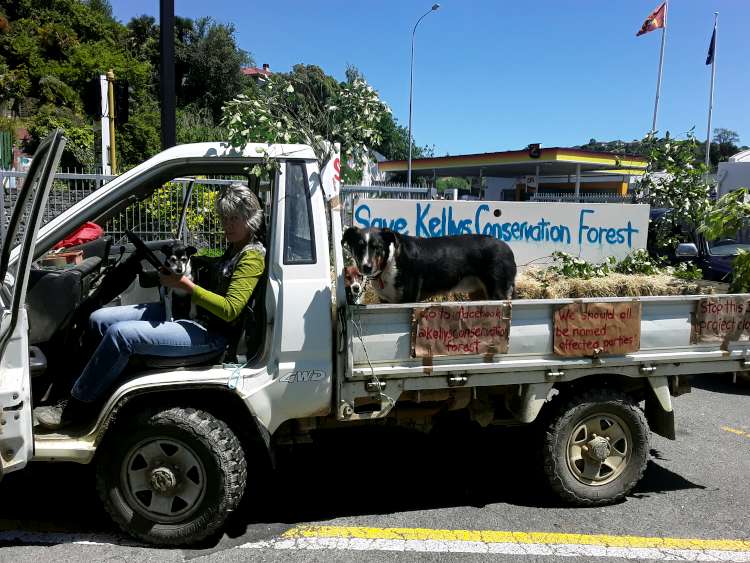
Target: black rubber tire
212, 441
557, 434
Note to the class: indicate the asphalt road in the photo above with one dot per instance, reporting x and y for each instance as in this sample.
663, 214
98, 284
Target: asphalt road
401, 492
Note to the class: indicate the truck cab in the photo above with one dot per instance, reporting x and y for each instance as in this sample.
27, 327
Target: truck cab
288, 361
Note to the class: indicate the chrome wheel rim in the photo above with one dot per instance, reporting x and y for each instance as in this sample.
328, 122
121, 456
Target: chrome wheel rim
163, 479
599, 449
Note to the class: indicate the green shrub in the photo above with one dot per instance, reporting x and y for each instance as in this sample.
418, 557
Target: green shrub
571, 267
639, 262
687, 271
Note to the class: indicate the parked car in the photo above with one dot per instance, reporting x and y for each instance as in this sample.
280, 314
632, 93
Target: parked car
714, 257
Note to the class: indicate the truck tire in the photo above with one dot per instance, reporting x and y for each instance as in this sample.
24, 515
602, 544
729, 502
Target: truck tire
171, 477
596, 447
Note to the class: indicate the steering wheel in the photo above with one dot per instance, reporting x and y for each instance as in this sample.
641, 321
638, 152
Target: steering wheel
144, 251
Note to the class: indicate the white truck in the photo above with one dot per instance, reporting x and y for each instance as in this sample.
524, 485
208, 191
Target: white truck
176, 441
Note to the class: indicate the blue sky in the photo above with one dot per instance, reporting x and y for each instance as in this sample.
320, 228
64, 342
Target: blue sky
498, 75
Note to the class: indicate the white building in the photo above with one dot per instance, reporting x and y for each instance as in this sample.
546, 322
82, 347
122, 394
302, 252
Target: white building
734, 173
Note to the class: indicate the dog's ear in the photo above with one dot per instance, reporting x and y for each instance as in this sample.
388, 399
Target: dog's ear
190, 250
167, 250
390, 237
350, 235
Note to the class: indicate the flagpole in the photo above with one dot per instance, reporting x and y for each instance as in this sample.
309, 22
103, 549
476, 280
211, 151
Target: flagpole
661, 64
711, 96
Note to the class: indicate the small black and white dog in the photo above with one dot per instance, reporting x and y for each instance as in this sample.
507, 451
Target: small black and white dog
178, 259
405, 269
178, 262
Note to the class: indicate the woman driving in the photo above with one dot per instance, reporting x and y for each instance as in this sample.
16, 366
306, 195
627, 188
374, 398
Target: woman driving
142, 329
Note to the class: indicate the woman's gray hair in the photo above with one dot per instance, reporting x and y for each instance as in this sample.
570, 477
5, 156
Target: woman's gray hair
238, 200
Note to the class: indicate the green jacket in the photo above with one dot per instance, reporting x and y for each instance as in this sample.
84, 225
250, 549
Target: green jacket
228, 302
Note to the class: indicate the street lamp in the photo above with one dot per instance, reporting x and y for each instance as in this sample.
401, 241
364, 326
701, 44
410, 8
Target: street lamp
411, 81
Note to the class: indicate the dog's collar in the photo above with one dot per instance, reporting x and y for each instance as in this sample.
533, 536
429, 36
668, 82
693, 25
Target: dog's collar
378, 280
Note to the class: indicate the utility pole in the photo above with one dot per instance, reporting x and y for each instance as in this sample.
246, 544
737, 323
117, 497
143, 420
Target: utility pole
111, 104
434, 8
166, 72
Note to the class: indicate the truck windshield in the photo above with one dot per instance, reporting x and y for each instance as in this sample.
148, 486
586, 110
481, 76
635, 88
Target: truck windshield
730, 245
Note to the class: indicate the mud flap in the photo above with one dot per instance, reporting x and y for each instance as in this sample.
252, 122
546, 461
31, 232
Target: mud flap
660, 421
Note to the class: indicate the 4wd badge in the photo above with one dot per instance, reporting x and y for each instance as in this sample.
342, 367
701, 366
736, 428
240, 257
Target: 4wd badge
303, 376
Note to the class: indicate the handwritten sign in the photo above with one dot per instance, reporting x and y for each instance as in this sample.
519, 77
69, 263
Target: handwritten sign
592, 329
454, 331
533, 230
721, 319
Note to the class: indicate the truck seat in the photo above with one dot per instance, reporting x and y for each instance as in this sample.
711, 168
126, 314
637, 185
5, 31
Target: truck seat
54, 295
138, 361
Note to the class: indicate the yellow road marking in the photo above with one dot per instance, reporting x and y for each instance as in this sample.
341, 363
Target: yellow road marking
492, 536
735, 431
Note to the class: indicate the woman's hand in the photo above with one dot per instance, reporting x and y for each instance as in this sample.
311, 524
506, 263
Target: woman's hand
176, 282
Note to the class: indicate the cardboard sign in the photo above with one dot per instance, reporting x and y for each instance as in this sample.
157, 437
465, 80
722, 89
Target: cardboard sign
454, 331
592, 231
593, 329
721, 319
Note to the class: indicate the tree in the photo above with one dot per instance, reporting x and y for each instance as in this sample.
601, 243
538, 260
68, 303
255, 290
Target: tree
51, 53
79, 150
680, 187
722, 135
616, 147
103, 6
394, 138
725, 144
353, 74
213, 66
452, 182
286, 111
196, 124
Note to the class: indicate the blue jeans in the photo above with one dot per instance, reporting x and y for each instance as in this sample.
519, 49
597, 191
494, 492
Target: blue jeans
137, 329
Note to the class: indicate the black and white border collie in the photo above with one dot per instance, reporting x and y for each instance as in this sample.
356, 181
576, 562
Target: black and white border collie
405, 269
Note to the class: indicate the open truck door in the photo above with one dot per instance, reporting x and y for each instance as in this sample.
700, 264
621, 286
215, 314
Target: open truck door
16, 256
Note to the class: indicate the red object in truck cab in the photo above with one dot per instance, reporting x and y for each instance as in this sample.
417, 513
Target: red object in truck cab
85, 233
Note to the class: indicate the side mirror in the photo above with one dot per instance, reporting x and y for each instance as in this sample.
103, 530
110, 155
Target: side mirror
686, 250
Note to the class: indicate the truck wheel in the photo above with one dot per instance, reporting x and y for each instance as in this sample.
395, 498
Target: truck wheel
172, 477
596, 448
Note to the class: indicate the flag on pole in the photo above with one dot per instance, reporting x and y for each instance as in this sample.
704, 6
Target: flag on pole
656, 20
711, 47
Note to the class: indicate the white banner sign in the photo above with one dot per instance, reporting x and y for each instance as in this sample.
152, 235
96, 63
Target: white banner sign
592, 231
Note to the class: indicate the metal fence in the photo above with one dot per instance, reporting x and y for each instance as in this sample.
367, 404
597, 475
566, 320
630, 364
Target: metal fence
583, 198
154, 218
349, 194
158, 216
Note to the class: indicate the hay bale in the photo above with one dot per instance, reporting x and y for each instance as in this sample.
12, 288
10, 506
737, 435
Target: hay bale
539, 283
542, 284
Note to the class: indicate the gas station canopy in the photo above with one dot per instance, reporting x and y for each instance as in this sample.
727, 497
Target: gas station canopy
555, 161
